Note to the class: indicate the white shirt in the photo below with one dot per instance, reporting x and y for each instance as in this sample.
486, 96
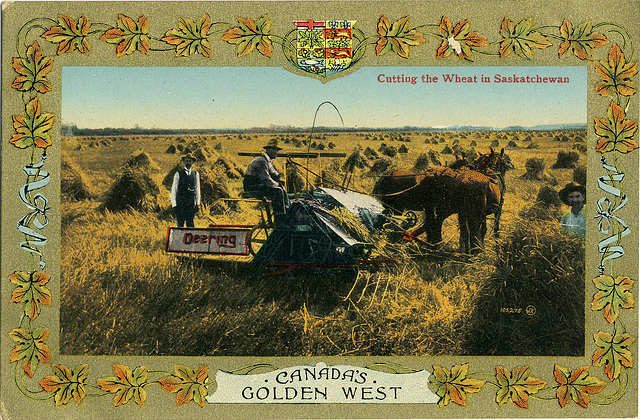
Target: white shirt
576, 224
174, 187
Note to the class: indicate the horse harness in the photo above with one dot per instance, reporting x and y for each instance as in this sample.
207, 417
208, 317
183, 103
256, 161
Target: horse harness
496, 175
419, 177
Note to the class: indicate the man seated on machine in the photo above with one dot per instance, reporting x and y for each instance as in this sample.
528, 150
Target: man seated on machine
263, 179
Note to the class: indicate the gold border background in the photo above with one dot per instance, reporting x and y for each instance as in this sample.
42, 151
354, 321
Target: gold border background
485, 18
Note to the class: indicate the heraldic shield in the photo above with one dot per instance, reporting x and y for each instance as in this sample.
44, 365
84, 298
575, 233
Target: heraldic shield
324, 47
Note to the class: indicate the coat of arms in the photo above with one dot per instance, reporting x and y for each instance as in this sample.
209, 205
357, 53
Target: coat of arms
324, 47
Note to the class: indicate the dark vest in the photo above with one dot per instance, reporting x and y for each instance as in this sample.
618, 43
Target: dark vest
186, 187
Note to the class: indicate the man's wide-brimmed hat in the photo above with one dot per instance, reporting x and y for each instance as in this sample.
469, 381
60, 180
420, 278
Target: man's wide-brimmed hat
188, 156
272, 144
568, 189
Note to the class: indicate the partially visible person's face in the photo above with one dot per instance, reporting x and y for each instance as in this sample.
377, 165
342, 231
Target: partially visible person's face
271, 152
576, 201
188, 163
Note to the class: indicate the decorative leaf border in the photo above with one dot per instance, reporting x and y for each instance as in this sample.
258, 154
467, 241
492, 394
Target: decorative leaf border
616, 133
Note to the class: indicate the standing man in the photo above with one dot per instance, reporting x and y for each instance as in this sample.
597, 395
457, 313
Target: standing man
574, 195
263, 178
185, 192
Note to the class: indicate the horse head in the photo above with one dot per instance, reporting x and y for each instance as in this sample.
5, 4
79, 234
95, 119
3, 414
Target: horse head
460, 162
492, 161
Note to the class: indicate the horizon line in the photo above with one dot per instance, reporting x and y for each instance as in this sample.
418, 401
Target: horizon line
275, 127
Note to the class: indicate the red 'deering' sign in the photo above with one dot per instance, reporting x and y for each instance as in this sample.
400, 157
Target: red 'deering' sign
215, 240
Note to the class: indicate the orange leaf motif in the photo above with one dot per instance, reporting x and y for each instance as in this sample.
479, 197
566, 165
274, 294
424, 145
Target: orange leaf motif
520, 38
397, 37
517, 386
129, 35
616, 73
189, 384
616, 133
69, 35
30, 348
576, 385
250, 36
30, 290
452, 386
613, 353
126, 384
32, 71
458, 39
612, 295
32, 130
66, 384
190, 37
580, 40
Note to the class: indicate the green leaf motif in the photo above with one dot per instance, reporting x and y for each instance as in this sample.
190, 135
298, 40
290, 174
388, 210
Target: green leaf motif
312, 38
517, 386
520, 38
617, 74
30, 347
69, 35
576, 385
129, 35
458, 39
32, 71
30, 289
397, 37
187, 384
249, 36
66, 384
613, 353
580, 40
190, 37
613, 294
454, 385
34, 129
616, 133
126, 384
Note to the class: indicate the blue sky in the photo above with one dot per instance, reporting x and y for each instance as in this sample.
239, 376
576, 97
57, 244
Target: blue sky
246, 97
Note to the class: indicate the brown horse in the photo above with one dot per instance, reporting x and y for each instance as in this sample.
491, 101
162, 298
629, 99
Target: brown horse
441, 192
494, 165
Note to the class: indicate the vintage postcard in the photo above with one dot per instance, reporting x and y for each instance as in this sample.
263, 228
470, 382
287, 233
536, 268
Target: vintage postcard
368, 209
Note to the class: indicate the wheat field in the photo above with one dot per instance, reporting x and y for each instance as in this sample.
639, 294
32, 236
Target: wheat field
122, 294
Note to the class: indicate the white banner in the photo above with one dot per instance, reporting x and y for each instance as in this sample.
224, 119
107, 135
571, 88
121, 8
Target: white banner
323, 384
611, 247
38, 204
215, 240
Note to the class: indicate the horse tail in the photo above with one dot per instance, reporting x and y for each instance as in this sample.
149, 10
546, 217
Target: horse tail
496, 192
496, 220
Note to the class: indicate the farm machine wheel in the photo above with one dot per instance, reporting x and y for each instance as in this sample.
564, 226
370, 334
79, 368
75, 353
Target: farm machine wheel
410, 220
258, 237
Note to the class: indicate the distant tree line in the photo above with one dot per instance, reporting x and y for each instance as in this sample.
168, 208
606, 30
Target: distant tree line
73, 130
